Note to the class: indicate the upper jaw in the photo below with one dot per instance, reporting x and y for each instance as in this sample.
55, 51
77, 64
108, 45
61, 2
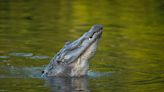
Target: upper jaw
96, 28
94, 33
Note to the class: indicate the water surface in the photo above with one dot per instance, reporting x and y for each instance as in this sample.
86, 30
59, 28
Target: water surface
129, 57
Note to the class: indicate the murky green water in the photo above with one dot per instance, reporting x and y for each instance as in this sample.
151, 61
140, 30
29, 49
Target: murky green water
130, 57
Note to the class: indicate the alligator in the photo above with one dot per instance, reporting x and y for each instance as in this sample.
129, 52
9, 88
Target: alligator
72, 59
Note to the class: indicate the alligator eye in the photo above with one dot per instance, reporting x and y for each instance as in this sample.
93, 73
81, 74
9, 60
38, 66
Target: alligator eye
58, 62
90, 37
42, 71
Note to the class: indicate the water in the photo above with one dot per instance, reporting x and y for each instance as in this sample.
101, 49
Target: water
129, 57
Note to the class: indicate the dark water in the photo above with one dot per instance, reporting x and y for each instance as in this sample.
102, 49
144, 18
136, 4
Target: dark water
130, 56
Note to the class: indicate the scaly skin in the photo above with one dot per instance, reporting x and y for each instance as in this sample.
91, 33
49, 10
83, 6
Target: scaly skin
72, 59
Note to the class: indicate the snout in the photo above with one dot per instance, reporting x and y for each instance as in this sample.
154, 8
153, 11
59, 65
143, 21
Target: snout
97, 27
95, 30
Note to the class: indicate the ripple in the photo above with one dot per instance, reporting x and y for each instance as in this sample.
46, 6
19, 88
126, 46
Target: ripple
19, 54
35, 72
21, 72
98, 74
39, 57
4, 57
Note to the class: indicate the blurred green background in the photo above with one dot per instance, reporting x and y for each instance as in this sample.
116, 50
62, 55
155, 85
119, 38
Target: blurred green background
131, 48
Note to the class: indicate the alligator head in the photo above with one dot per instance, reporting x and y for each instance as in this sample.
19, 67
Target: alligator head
72, 59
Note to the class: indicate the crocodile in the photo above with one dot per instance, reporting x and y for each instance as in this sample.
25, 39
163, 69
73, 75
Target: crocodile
73, 59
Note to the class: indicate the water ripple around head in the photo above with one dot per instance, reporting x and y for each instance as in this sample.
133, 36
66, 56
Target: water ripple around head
28, 55
35, 72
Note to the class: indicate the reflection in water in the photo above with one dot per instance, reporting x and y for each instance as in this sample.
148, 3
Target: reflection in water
67, 84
